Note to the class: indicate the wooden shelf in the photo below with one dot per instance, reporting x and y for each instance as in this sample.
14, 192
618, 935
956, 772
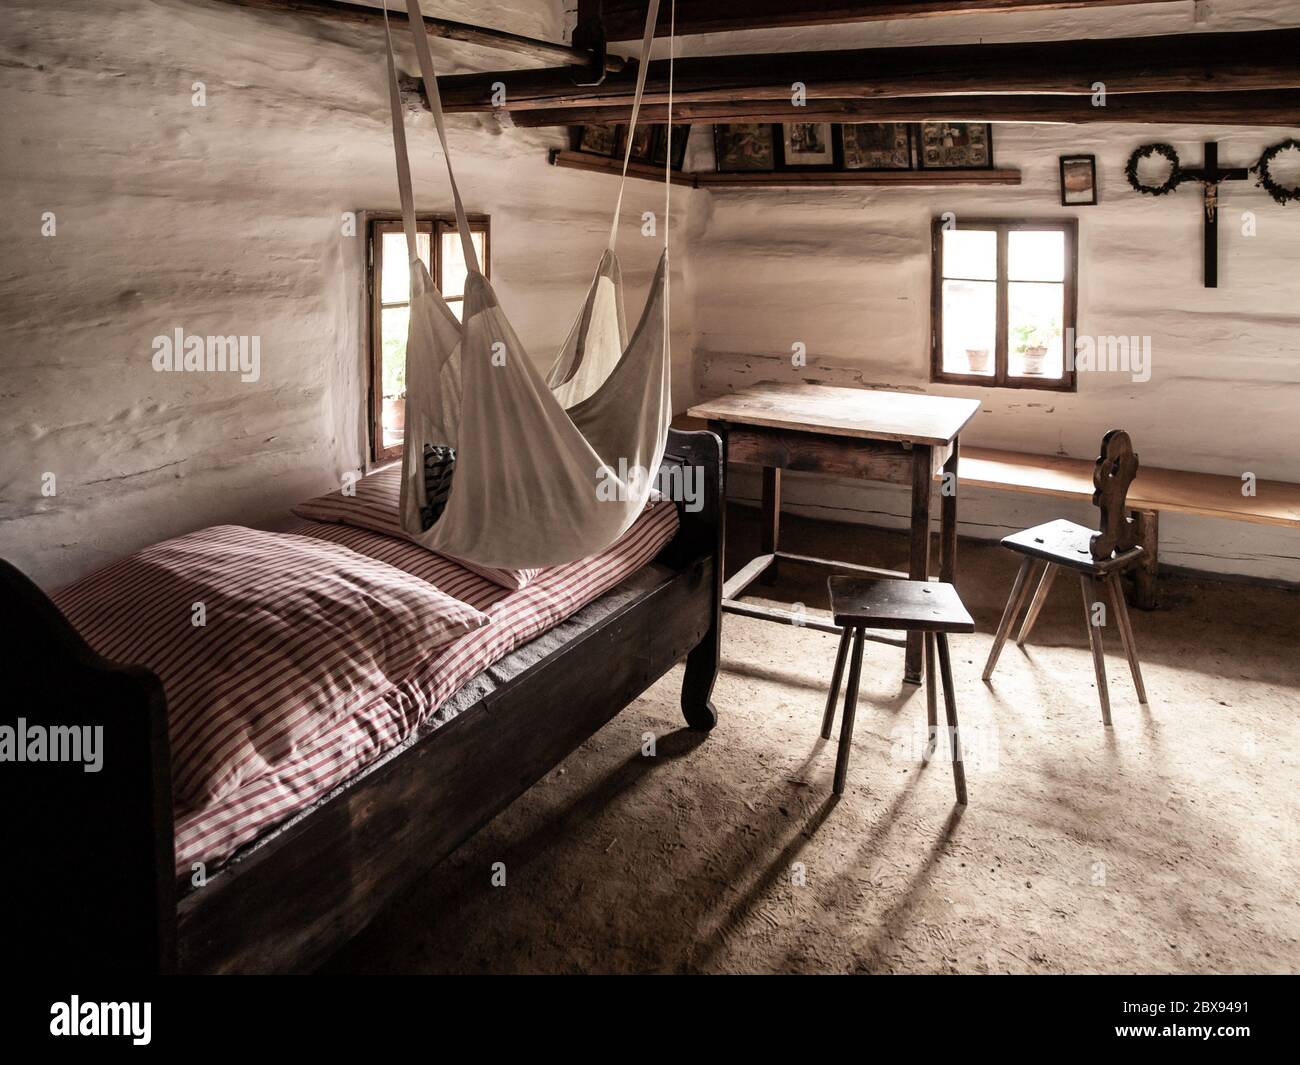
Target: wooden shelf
833, 178
600, 164
708, 179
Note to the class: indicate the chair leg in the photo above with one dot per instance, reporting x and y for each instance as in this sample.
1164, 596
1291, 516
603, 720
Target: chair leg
954, 733
931, 700
1092, 595
850, 709
828, 718
1014, 602
1126, 634
1036, 606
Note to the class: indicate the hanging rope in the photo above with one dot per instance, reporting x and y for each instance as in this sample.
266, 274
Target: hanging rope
647, 43
540, 478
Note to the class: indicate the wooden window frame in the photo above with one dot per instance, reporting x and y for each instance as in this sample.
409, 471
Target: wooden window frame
378, 223
1068, 382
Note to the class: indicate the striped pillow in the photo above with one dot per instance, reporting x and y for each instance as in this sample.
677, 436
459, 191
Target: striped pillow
262, 641
374, 504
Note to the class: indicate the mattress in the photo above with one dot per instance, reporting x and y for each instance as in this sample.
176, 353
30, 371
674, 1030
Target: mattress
207, 836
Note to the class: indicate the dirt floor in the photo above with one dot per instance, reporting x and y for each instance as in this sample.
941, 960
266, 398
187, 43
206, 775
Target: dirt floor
1165, 844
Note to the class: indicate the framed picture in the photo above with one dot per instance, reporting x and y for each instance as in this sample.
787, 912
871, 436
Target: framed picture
1078, 180
643, 143
955, 146
806, 144
680, 134
876, 145
744, 146
598, 140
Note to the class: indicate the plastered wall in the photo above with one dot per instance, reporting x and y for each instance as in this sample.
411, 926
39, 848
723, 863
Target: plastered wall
227, 219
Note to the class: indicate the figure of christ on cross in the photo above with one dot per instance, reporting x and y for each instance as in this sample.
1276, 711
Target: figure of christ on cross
1210, 176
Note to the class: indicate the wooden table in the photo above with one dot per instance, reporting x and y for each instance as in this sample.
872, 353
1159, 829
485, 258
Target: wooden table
894, 437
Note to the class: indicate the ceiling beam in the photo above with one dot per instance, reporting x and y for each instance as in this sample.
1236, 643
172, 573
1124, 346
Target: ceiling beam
1268, 108
625, 19
502, 40
1194, 62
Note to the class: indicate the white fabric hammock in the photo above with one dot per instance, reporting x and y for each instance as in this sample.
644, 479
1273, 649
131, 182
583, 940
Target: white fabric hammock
545, 471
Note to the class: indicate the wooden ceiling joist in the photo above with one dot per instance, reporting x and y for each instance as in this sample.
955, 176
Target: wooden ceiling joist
1268, 108
625, 19
353, 14
1181, 63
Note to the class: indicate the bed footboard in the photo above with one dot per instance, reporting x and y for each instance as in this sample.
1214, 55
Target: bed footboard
701, 534
85, 785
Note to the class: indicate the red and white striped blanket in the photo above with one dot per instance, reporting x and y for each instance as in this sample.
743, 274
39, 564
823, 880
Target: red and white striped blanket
211, 833
262, 641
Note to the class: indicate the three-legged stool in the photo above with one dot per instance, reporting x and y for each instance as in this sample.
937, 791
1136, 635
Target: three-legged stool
861, 603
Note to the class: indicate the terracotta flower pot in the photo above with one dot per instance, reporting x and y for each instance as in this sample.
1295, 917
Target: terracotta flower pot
978, 359
1034, 358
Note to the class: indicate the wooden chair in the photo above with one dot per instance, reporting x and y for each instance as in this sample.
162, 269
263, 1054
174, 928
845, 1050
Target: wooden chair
861, 603
1095, 555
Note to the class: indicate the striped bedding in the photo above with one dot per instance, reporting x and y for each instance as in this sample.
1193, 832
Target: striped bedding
211, 833
261, 640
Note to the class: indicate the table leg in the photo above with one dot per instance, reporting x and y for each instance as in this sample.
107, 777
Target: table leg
721, 429
948, 517
919, 562
771, 531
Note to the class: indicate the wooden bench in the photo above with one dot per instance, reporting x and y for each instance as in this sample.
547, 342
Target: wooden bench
1153, 490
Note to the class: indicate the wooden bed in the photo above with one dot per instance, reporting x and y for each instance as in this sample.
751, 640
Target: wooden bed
91, 883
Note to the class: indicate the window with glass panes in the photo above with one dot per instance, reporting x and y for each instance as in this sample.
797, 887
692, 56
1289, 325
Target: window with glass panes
438, 245
1003, 302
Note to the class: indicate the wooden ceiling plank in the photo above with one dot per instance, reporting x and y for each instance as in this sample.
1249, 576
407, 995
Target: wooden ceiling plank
1194, 62
353, 14
625, 19
1268, 108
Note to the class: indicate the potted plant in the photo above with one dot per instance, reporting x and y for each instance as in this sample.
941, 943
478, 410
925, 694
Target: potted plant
978, 359
1032, 342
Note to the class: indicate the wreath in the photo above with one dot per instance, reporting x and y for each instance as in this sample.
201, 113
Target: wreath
1175, 169
1280, 193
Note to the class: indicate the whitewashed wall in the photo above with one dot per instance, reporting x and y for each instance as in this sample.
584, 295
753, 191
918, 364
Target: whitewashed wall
847, 272
226, 219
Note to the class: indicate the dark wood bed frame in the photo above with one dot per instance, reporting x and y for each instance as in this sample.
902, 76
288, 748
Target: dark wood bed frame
90, 881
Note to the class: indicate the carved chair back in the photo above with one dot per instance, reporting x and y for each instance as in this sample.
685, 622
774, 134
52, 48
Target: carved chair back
1116, 467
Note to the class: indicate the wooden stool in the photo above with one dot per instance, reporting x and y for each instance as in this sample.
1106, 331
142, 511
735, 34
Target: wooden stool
861, 603
1095, 556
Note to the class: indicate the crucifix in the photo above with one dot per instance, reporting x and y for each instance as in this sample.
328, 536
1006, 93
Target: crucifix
1210, 176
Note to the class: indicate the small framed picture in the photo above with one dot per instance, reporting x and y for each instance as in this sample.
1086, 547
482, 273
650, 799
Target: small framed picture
955, 146
680, 134
877, 145
806, 144
598, 140
744, 146
1078, 180
643, 143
